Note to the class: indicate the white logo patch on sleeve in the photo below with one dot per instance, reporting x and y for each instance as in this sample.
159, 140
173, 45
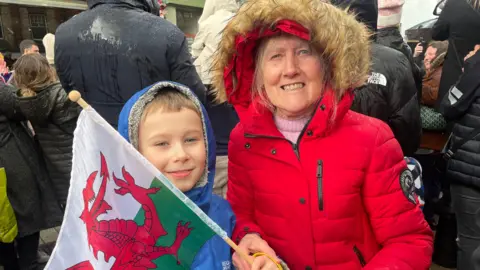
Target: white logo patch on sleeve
407, 183
377, 78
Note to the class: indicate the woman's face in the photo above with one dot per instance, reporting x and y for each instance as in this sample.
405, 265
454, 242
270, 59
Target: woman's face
292, 74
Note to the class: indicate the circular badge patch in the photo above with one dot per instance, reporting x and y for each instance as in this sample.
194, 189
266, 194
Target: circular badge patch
408, 185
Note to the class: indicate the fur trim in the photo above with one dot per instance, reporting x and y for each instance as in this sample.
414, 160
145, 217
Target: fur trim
343, 42
438, 61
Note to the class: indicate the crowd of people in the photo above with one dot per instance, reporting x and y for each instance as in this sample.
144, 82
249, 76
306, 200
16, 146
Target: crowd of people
310, 132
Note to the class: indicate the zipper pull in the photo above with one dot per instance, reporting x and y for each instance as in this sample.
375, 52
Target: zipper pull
295, 149
320, 184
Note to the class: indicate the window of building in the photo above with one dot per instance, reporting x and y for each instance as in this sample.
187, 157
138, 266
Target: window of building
38, 25
1, 28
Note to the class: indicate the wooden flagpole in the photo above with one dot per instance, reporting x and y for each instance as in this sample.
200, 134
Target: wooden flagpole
237, 249
75, 96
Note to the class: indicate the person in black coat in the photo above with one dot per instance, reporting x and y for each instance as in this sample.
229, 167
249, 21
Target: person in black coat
28, 186
459, 22
117, 47
45, 104
391, 96
461, 104
390, 93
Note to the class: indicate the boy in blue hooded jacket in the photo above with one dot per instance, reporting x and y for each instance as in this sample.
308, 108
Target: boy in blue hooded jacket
168, 125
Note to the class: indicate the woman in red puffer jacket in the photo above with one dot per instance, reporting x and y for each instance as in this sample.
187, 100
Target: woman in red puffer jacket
311, 182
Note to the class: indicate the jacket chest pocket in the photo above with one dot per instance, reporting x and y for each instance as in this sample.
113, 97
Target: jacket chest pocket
338, 190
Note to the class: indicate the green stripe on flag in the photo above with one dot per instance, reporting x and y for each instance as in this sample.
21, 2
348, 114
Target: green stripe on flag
171, 210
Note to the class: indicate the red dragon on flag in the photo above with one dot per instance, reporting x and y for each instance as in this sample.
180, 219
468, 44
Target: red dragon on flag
132, 246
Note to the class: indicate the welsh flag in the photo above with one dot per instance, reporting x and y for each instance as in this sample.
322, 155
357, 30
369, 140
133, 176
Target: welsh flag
122, 213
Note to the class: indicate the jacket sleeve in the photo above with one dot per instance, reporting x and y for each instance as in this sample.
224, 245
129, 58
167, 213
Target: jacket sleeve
199, 42
430, 88
402, 98
181, 68
441, 29
8, 103
239, 193
461, 96
369, 101
398, 224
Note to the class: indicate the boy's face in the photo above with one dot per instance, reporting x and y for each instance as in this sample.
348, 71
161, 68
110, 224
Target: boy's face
174, 143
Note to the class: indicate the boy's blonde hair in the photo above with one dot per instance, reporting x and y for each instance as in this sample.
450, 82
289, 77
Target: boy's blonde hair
170, 100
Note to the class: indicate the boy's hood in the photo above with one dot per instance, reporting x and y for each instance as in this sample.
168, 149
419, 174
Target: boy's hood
130, 117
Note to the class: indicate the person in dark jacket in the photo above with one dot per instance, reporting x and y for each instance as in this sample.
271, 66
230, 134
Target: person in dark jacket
388, 34
28, 188
459, 22
390, 93
461, 104
52, 115
117, 47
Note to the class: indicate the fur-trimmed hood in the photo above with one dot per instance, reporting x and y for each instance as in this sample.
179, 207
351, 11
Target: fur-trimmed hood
438, 61
336, 35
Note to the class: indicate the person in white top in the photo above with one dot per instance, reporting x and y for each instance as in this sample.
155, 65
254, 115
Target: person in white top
216, 15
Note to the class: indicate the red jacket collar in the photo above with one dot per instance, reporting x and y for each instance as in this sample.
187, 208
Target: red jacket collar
258, 120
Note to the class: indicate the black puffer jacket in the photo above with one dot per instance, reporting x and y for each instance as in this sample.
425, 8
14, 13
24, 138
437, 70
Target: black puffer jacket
391, 96
29, 188
119, 47
459, 22
461, 104
392, 38
54, 118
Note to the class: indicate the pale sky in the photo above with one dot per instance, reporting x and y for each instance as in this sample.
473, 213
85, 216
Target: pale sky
417, 11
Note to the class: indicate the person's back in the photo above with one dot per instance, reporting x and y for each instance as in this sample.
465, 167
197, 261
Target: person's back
117, 47
459, 22
391, 96
388, 34
45, 104
461, 105
390, 93
29, 190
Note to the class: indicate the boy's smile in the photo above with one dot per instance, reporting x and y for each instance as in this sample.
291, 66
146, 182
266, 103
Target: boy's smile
174, 143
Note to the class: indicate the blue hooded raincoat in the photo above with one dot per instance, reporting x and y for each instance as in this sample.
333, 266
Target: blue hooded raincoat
215, 254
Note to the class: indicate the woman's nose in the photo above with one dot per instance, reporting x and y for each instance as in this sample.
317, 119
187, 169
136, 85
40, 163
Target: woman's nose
291, 66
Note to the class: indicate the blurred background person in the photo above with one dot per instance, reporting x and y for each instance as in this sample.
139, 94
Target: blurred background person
222, 116
459, 23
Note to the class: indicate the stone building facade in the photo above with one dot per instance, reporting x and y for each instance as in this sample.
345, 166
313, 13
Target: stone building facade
22, 19
32, 19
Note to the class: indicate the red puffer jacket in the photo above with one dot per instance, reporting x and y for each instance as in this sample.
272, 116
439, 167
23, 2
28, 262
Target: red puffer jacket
331, 201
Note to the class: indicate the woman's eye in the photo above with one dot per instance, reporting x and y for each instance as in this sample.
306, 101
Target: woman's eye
307, 52
276, 56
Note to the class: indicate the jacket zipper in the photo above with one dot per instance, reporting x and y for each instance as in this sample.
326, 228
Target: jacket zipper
320, 184
295, 146
360, 257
